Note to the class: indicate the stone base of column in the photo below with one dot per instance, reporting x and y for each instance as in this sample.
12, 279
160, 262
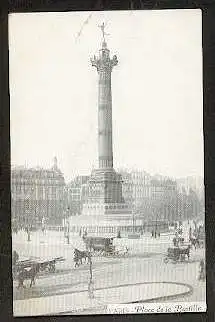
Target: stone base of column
105, 194
105, 187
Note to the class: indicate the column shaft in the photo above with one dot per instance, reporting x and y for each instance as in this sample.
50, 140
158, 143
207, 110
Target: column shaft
105, 148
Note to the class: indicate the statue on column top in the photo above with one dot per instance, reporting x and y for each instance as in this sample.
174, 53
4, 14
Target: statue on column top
104, 62
102, 27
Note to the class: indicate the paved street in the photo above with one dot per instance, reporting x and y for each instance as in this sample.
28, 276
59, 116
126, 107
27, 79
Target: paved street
144, 264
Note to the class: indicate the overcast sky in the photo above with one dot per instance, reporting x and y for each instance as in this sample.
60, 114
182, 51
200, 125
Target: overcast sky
156, 90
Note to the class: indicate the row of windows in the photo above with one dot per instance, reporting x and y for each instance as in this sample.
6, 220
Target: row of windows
36, 181
35, 191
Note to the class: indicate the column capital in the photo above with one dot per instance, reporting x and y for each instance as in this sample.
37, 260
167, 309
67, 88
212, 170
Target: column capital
104, 62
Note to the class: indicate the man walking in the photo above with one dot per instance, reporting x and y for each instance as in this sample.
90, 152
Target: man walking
21, 278
201, 271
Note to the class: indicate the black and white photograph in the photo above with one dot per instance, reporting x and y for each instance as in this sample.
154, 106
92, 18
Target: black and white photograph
107, 162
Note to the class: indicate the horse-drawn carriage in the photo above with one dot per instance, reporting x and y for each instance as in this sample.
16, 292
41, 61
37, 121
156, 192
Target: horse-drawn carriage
103, 246
44, 264
29, 268
99, 245
177, 254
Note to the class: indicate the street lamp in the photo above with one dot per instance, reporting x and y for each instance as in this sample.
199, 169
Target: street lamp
67, 227
90, 284
133, 216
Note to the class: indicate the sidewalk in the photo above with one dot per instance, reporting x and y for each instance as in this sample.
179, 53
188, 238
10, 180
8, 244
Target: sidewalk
78, 302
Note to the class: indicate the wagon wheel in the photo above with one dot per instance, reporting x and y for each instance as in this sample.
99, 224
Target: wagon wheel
52, 267
116, 254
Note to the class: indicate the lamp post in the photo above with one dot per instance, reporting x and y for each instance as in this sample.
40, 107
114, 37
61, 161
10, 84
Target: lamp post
28, 224
156, 222
134, 208
133, 214
90, 284
67, 226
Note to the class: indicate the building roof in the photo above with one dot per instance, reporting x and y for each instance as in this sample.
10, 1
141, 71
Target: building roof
36, 173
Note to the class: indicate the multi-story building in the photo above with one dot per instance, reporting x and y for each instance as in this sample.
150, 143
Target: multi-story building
37, 195
164, 199
196, 183
77, 193
135, 187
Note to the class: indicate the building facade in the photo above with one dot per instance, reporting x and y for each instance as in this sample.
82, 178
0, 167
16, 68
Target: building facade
37, 195
136, 187
77, 195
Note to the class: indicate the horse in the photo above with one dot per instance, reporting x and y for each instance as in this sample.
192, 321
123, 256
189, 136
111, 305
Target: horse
195, 242
185, 252
79, 255
25, 274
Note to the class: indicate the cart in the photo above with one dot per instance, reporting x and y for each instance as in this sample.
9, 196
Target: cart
177, 254
43, 264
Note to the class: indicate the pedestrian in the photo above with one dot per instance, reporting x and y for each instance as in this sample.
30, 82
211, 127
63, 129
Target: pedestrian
201, 276
175, 242
21, 278
15, 258
190, 233
29, 234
